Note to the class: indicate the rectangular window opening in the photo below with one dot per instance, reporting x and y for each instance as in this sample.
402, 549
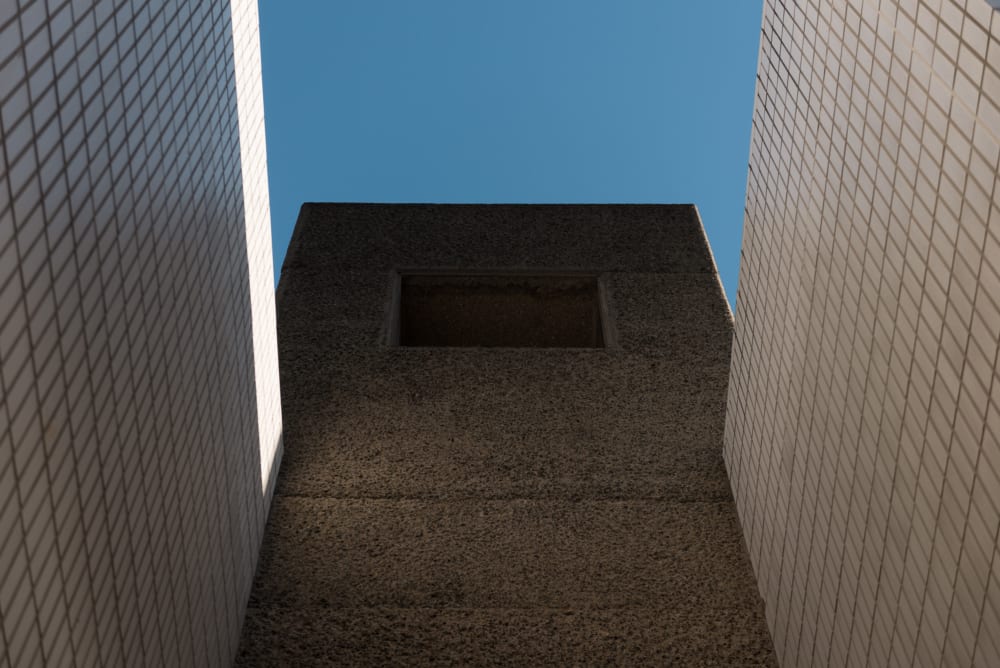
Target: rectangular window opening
498, 310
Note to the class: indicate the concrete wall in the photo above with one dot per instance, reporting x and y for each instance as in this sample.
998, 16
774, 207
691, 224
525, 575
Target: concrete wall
863, 434
140, 417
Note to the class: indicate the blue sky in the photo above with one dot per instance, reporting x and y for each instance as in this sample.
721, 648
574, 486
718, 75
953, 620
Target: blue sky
516, 101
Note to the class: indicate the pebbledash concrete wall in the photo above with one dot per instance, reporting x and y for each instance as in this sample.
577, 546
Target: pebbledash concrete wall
531, 506
863, 427
140, 418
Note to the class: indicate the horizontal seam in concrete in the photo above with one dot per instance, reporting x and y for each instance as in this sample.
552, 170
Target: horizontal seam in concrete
467, 608
465, 499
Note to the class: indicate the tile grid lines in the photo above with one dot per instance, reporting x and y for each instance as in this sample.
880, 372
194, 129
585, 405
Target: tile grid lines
816, 391
121, 616
926, 578
895, 319
868, 642
979, 458
754, 530
800, 418
853, 474
145, 512
81, 158
736, 401
130, 624
171, 428
868, 502
906, 394
759, 96
30, 362
792, 183
961, 537
933, 330
823, 560
75, 649
926, 603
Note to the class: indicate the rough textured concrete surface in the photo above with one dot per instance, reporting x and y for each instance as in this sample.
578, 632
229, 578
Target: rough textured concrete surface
502, 506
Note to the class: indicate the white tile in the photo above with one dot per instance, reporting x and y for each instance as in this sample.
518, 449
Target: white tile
937, 360
78, 310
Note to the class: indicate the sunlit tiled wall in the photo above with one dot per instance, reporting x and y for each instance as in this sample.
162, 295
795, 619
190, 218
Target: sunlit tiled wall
138, 381
257, 210
863, 431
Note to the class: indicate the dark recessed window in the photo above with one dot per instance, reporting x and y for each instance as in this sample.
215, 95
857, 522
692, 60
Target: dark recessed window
509, 310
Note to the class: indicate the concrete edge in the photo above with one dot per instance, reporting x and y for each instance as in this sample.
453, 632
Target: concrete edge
715, 267
291, 253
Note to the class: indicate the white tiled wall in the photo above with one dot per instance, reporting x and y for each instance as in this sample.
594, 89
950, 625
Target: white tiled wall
256, 209
863, 431
140, 415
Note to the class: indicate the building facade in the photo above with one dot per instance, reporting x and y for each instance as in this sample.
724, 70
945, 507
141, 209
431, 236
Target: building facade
504, 428
140, 418
863, 424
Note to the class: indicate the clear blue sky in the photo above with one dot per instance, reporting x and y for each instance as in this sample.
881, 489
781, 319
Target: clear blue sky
515, 101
